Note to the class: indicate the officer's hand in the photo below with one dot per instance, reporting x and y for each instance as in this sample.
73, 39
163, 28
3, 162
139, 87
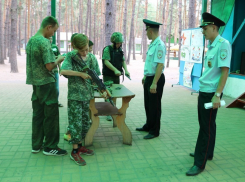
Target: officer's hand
216, 102
153, 88
117, 73
85, 76
143, 81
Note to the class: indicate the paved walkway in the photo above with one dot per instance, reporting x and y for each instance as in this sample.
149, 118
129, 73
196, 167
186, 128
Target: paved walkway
165, 158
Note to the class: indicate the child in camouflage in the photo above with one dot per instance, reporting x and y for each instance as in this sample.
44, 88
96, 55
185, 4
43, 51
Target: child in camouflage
80, 92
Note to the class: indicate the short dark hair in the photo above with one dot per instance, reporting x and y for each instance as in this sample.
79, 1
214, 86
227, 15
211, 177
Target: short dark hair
218, 27
49, 20
155, 30
90, 43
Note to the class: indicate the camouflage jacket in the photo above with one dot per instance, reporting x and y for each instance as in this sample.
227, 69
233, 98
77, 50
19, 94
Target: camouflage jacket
78, 88
95, 63
56, 52
39, 53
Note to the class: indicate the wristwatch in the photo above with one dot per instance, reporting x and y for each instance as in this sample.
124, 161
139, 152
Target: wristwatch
217, 94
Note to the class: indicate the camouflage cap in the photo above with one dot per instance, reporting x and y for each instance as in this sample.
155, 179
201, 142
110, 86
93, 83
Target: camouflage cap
117, 37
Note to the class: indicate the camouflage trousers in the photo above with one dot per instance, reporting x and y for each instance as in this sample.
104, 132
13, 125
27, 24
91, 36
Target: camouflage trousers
45, 117
79, 121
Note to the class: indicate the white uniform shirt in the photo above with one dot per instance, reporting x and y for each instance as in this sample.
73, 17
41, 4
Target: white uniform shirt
217, 56
155, 54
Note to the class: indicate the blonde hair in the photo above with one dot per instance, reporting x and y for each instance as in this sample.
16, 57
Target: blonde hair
80, 41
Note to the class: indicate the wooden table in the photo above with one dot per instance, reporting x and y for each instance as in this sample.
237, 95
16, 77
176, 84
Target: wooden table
104, 108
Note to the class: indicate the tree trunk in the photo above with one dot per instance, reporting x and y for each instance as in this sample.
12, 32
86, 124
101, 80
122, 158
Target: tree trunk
198, 14
114, 10
58, 31
9, 32
66, 27
165, 19
6, 34
87, 17
180, 29
41, 11
185, 17
25, 38
102, 27
169, 37
137, 30
94, 37
144, 34
13, 45
122, 16
131, 32
28, 21
71, 17
176, 19
192, 14
80, 29
90, 20
19, 34
32, 22
1, 35
125, 28
49, 8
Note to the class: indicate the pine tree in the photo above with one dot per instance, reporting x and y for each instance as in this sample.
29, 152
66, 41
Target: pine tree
13, 45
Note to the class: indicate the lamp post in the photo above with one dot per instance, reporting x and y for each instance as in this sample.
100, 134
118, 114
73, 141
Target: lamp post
53, 13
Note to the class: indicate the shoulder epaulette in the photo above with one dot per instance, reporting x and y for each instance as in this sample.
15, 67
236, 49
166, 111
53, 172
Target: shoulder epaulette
221, 39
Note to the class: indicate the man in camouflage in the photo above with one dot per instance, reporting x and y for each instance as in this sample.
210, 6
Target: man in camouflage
40, 61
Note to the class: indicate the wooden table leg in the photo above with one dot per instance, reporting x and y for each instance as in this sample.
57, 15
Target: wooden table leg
114, 116
94, 126
126, 133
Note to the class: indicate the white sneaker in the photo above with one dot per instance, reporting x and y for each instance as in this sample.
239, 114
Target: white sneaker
35, 151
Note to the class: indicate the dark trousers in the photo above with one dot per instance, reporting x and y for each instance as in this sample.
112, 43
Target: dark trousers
207, 131
45, 119
153, 108
56, 74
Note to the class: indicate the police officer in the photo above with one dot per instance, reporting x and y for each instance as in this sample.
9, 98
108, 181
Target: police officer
153, 80
113, 61
216, 63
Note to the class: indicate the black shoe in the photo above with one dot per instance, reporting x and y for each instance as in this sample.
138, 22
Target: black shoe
141, 129
150, 136
193, 154
56, 151
194, 170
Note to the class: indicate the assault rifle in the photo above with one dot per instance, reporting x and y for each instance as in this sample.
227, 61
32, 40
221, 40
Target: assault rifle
101, 86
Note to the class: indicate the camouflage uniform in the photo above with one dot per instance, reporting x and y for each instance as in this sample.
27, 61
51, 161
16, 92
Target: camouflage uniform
80, 92
56, 52
45, 119
95, 63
